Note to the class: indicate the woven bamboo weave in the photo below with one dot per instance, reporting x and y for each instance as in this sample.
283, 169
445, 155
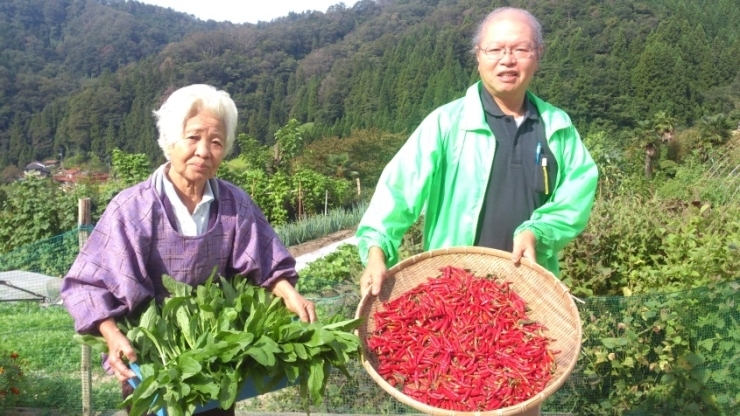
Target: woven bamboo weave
548, 299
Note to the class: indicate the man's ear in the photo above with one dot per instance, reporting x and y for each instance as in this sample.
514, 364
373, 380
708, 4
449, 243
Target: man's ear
540, 51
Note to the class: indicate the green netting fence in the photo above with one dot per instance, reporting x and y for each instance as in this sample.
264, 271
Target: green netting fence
52, 256
676, 353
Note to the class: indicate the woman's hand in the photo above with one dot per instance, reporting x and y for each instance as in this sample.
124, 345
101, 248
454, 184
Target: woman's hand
294, 301
119, 347
374, 273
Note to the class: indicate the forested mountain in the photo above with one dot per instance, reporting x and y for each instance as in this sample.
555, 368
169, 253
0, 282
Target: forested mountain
85, 75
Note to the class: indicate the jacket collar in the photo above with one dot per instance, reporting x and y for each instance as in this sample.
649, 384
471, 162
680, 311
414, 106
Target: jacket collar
491, 107
156, 181
473, 117
553, 118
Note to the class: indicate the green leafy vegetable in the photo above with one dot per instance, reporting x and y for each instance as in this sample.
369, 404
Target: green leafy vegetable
204, 343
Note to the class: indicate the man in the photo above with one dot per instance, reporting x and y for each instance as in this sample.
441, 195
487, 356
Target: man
497, 168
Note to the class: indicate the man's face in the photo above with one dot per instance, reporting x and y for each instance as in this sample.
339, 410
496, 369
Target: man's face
509, 76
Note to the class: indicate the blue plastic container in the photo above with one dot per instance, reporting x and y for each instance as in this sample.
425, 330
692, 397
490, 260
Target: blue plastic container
248, 391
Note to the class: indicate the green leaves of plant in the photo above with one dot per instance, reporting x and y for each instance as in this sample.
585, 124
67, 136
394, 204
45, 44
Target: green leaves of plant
176, 289
614, 342
203, 343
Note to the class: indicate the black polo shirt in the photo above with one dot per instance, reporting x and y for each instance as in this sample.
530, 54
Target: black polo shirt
516, 186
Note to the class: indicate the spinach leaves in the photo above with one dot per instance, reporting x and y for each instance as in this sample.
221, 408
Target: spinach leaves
203, 343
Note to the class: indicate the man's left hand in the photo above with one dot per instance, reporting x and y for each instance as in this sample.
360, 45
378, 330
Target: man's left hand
524, 246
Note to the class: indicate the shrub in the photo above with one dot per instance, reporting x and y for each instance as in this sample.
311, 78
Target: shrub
635, 245
11, 379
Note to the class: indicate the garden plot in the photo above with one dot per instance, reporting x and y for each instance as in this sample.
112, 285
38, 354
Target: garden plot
303, 260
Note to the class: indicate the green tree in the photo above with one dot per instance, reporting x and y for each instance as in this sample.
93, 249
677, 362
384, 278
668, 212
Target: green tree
254, 154
661, 83
648, 141
288, 144
664, 125
130, 169
714, 131
30, 212
19, 149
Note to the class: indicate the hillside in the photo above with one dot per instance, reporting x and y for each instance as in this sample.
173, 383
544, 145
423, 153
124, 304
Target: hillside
81, 77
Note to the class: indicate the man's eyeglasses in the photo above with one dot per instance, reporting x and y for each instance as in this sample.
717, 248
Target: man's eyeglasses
518, 52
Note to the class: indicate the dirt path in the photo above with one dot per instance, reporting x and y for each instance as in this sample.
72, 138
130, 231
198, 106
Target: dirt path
313, 245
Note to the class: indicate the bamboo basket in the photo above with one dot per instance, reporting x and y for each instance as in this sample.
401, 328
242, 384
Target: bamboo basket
549, 301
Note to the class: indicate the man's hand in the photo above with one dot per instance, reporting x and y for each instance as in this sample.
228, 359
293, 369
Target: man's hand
524, 246
119, 348
375, 272
294, 301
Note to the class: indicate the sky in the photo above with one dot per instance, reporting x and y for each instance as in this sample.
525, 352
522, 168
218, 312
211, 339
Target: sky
243, 11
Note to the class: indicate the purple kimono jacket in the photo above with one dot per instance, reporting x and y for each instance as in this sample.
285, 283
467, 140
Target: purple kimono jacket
136, 242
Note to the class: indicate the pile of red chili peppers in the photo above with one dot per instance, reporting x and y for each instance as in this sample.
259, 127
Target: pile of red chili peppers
462, 343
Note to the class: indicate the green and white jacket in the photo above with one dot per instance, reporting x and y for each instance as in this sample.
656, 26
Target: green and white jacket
443, 169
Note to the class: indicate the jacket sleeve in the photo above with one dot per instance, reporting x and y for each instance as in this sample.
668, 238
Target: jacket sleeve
258, 252
108, 278
401, 193
565, 215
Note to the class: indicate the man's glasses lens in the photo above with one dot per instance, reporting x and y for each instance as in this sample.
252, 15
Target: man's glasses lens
498, 53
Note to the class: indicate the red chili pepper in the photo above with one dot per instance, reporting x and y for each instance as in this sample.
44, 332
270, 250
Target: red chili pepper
462, 343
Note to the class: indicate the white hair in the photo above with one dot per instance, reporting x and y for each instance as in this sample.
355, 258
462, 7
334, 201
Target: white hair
533, 23
184, 103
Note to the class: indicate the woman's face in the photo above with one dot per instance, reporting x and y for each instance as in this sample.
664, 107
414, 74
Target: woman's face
195, 158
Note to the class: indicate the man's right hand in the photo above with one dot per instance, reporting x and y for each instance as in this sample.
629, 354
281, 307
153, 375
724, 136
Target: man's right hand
119, 348
375, 272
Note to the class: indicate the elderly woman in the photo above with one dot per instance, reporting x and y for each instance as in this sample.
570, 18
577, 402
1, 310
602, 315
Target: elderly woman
182, 222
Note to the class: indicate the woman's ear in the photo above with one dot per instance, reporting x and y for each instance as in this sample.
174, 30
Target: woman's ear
168, 150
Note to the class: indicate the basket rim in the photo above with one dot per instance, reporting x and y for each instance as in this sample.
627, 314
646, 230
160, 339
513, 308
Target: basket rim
516, 409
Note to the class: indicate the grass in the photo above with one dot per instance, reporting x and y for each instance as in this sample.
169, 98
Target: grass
318, 226
42, 336
50, 359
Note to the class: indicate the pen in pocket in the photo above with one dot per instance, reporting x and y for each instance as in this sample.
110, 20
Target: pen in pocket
544, 174
537, 154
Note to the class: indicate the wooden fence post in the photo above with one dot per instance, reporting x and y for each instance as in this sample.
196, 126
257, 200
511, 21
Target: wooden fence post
83, 222
300, 202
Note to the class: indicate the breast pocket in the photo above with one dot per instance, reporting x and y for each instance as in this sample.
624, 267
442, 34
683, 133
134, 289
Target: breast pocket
544, 175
